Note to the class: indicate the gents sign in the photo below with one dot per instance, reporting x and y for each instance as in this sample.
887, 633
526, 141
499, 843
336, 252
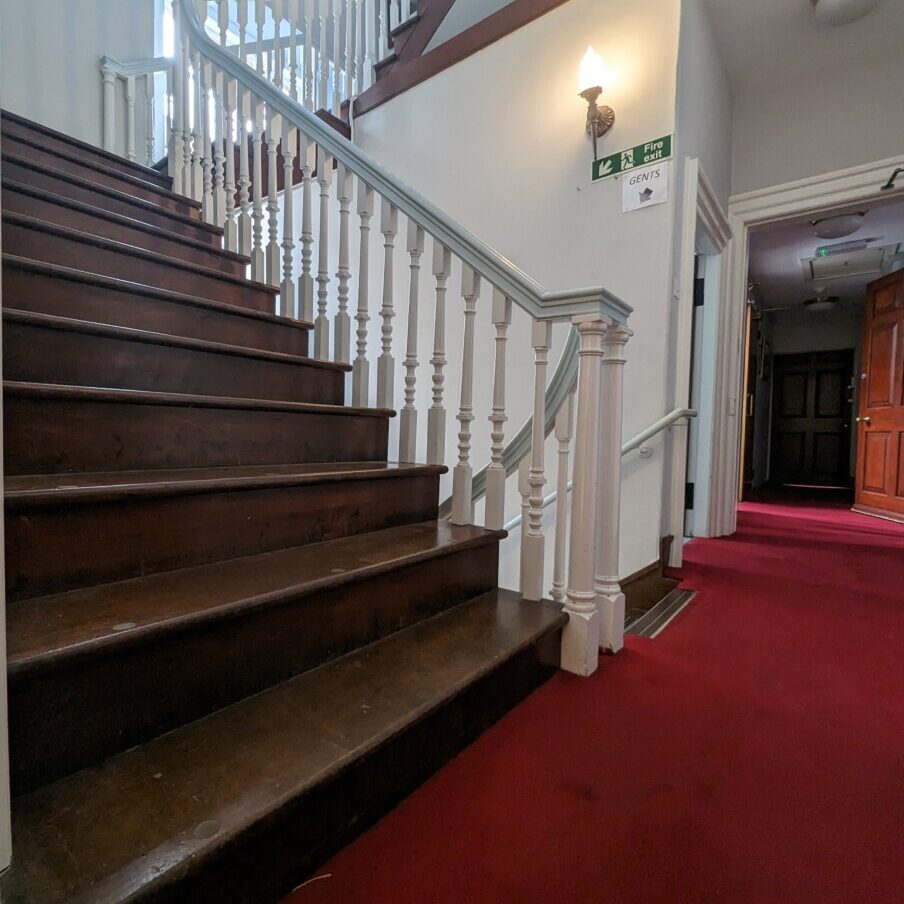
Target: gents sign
641, 155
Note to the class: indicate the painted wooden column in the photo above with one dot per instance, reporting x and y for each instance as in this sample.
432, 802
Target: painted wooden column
533, 560
361, 366
581, 636
462, 502
494, 515
274, 135
322, 322
408, 417
342, 336
563, 430
436, 415
287, 286
108, 78
389, 226
306, 280
610, 600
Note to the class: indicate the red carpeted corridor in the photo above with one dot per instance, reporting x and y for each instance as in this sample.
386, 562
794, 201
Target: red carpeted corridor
752, 752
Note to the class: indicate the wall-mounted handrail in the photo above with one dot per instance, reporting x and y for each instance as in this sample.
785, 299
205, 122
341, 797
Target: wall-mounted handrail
632, 444
520, 288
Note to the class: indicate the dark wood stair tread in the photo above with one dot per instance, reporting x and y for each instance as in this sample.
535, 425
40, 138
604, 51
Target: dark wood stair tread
83, 276
48, 630
162, 812
68, 488
71, 324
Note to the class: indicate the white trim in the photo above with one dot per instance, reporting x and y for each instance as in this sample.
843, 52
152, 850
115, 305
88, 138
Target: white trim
745, 212
700, 206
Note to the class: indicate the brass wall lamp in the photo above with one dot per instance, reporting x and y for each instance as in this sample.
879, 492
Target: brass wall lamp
590, 85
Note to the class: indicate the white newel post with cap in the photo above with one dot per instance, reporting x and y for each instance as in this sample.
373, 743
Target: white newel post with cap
609, 597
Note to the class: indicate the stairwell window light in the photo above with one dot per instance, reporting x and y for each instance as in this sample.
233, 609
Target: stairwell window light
590, 87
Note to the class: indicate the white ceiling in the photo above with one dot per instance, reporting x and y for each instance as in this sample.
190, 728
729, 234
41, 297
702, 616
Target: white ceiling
766, 43
776, 253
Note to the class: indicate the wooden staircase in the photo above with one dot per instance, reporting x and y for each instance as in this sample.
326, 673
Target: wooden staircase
237, 635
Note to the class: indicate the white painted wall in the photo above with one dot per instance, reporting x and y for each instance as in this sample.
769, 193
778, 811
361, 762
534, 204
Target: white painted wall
798, 330
51, 50
500, 145
831, 119
462, 15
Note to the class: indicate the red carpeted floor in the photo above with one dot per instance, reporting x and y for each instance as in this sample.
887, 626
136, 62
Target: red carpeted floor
753, 752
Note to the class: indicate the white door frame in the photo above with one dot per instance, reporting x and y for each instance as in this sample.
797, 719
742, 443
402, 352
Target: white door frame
745, 212
700, 209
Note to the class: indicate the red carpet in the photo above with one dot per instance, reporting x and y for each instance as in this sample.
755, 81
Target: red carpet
753, 752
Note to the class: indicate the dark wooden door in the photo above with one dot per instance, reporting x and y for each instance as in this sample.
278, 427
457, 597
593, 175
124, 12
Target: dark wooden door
811, 419
880, 446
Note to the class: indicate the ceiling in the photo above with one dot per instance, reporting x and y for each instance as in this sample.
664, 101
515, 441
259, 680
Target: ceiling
776, 253
766, 43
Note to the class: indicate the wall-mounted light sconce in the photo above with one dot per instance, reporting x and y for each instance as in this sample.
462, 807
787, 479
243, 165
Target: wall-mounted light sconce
590, 86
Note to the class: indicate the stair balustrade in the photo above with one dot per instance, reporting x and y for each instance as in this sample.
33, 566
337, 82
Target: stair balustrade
225, 89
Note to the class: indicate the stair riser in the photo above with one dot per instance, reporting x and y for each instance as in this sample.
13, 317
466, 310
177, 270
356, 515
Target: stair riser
267, 863
71, 251
13, 129
174, 246
40, 354
51, 435
45, 294
99, 706
155, 216
52, 548
135, 187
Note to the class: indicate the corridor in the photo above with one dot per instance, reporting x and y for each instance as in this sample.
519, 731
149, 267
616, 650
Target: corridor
753, 752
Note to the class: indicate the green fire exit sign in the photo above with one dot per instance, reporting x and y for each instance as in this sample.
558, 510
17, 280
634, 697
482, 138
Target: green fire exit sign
640, 155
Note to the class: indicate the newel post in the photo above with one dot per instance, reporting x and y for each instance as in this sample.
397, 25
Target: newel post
581, 637
609, 597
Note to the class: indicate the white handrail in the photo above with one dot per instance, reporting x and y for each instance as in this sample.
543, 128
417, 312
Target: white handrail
489, 263
629, 446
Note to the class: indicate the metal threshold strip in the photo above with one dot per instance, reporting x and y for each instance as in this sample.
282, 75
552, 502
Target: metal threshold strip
655, 620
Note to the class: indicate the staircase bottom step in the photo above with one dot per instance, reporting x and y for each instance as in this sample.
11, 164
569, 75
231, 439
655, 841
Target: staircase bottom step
240, 806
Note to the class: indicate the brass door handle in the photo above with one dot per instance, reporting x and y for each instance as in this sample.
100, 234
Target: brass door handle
866, 420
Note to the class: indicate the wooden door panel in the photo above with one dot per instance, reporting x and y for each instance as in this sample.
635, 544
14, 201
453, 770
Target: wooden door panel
830, 393
899, 488
827, 455
791, 449
793, 395
875, 462
886, 298
883, 348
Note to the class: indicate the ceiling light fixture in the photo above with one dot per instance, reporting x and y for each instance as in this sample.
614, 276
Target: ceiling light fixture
838, 227
842, 12
821, 303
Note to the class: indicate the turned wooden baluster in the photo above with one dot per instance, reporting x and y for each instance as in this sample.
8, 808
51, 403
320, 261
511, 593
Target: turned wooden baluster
176, 146
535, 543
206, 143
292, 15
462, 505
306, 281
308, 66
197, 182
361, 367
436, 414
242, 19
389, 226
351, 8
187, 106
219, 154
149, 109
287, 286
524, 494
130, 118
408, 417
322, 12
222, 20
382, 31
495, 485
342, 330
276, 7
274, 130
369, 42
242, 136
257, 199
337, 55
564, 428
260, 18
231, 117
322, 323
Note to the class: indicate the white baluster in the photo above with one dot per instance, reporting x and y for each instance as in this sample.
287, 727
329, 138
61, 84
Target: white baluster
230, 117
219, 154
495, 485
257, 199
242, 136
408, 417
564, 427
322, 95
306, 282
207, 212
197, 182
223, 20
337, 56
581, 636
308, 54
260, 18
369, 38
436, 414
287, 287
322, 323
276, 7
342, 337
389, 226
350, 34
610, 600
187, 101
242, 19
382, 31
274, 131
108, 78
149, 110
462, 506
535, 543
361, 367
292, 14
524, 493
130, 118
177, 141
